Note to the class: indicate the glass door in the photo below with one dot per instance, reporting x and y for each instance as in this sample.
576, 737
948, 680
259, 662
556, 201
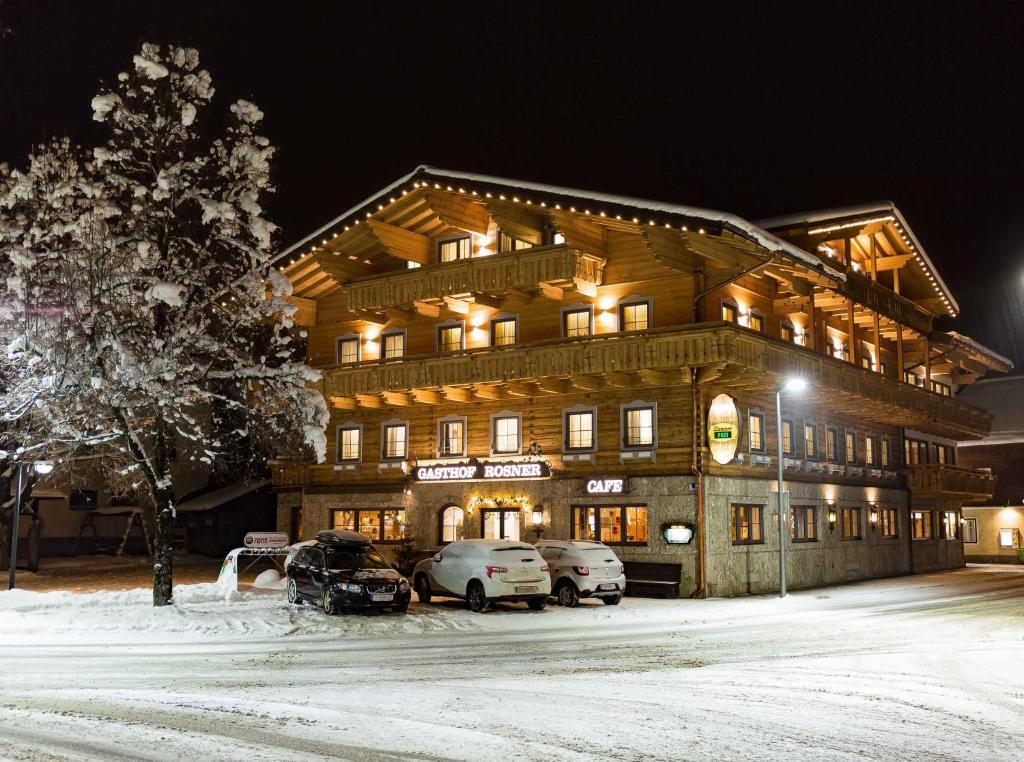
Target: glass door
500, 524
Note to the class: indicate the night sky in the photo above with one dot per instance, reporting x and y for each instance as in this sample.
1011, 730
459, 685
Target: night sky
757, 109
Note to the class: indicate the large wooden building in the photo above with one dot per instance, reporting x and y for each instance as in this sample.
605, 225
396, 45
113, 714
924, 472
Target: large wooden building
508, 359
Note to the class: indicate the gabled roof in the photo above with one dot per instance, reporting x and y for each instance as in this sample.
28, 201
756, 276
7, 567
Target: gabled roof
879, 210
664, 213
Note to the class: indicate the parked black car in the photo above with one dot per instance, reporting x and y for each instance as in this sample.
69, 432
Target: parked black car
342, 570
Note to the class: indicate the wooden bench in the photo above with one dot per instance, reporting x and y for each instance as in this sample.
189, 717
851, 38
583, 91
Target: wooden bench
652, 580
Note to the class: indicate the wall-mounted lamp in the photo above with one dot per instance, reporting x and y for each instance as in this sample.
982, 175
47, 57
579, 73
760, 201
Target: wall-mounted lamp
832, 517
538, 516
873, 515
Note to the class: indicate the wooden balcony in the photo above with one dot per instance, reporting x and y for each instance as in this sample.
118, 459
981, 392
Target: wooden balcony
954, 482
885, 302
545, 267
727, 356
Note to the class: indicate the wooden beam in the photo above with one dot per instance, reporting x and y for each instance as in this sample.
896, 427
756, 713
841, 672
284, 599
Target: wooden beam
554, 386
486, 300
488, 392
521, 388
620, 378
343, 403
427, 310
402, 243
371, 316
369, 400
458, 211
399, 313
587, 383
400, 399
456, 394
666, 246
656, 377
458, 306
519, 296
553, 293
426, 396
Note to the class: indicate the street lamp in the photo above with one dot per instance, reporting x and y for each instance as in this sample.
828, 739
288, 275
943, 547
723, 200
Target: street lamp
794, 385
42, 468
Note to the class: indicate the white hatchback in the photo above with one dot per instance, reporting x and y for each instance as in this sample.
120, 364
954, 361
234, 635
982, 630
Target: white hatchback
484, 571
583, 569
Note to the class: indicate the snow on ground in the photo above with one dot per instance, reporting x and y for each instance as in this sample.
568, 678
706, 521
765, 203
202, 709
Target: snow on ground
927, 667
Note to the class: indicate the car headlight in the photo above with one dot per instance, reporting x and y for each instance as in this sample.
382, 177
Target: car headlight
403, 586
352, 587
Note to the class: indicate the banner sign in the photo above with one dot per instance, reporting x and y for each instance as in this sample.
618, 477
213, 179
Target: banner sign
615, 485
723, 428
483, 470
265, 540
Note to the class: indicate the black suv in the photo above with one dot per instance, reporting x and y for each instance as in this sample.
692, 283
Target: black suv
342, 570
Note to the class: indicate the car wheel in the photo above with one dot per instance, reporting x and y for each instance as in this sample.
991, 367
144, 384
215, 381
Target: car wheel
612, 601
328, 601
538, 604
476, 597
293, 593
423, 588
401, 609
568, 595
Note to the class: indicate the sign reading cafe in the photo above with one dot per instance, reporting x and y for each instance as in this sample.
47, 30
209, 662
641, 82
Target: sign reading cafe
482, 470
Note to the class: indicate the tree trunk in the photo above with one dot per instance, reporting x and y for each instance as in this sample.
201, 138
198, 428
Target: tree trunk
163, 554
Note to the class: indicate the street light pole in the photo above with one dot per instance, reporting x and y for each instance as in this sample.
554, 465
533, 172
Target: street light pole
782, 517
14, 526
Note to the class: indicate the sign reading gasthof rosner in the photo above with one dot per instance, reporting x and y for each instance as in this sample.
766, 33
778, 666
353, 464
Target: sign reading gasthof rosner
265, 540
482, 470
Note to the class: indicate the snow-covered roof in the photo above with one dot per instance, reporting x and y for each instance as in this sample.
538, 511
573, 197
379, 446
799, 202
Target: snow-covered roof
217, 497
710, 217
875, 209
982, 350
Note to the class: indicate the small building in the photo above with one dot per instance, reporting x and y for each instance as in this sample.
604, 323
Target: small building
994, 530
509, 359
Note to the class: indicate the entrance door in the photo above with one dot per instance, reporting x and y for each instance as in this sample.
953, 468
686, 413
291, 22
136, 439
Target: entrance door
500, 524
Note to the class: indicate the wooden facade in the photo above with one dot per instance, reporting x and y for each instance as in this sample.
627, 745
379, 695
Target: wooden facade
458, 297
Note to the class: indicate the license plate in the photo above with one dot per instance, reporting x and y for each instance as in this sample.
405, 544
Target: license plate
526, 589
611, 586
382, 597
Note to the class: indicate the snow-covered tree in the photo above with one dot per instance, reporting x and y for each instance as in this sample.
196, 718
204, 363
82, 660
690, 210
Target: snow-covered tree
141, 320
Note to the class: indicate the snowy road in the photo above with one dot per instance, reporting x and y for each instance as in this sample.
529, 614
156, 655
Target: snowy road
929, 667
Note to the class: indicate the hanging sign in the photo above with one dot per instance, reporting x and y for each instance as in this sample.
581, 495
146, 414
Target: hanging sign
723, 428
613, 485
483, 470
265, 540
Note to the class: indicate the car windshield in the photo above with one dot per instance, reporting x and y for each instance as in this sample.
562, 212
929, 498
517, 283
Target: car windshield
355, 559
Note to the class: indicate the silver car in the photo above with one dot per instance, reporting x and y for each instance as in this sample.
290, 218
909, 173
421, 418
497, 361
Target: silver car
583, 569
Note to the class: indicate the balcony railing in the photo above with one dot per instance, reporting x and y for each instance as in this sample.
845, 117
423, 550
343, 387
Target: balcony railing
869, 395
556, 265
938, 480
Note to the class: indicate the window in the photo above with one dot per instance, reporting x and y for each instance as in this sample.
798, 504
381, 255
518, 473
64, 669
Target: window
500, 523
804, 523
504, 332
755, 322
888, 521
379, 524
1006, 538
810, 440
410, 265
451, 437
347, 349
945, 454
787, 438
393, 345
940, 388
450, 338
577, 321
394, 440
729, 311
505, 434
912, 378
885, 453
950, 525
786, 331
839, 350
851, 524
634, 316
451, 523
610, 524
970, 527
921, 524
578, 427
851, 447
832, 445
453, 249
869, 450
865, 362
558, 239
509, 243
755, 432
638, 427
349, 443
745, 526
916, 452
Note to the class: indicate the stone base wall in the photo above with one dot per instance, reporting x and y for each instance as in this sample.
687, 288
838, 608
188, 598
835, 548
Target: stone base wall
936, 553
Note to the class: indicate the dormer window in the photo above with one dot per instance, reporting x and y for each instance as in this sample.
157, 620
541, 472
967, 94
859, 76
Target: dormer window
511, 243
454, 249
730, 312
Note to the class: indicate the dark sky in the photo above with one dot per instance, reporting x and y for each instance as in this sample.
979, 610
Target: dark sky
758, 109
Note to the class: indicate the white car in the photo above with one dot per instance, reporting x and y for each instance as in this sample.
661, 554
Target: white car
583, 569
483, 571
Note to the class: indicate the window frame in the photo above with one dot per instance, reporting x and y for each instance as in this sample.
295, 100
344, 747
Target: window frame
884, 452
812, 449
847, 433
393, 423
576, 309
343, 339
753, 315
784, 326
728, 303
927, 525
761, 434
635, 301
452, 239
946, 525
889, 522
844, 511
972, 522
813, 524
735, 512
380, 522
439, 327
624, 411
503, 235
575, 410
338, 430
506, 415
391, 334
503, 317
871, 450
465, 435
788, 424
622, 522
832, 444
441, 525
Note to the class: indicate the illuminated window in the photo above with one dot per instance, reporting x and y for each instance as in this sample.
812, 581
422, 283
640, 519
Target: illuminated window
558, 239
509, 243
579, 430
921, 524
412, 265
888, 522
755, 432
729, 311
638, 427
347, 349
915, 452
865, 362
745, 527
504, 332
940, 388
755, 322
577, 321
451, 437
786, 331
634, 316
450, 338
869, 450
804, 523
970, 528
454, 249
885, 453
851, 447
612, 525
810, 440
395, 440
950, 525
850, 524
832, 445
349, 443
393, 345
787, 438
452, 518
379, 524
505, 434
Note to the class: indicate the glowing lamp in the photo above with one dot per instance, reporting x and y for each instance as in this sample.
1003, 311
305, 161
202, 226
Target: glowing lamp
538, 516
832, 517
43, 467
